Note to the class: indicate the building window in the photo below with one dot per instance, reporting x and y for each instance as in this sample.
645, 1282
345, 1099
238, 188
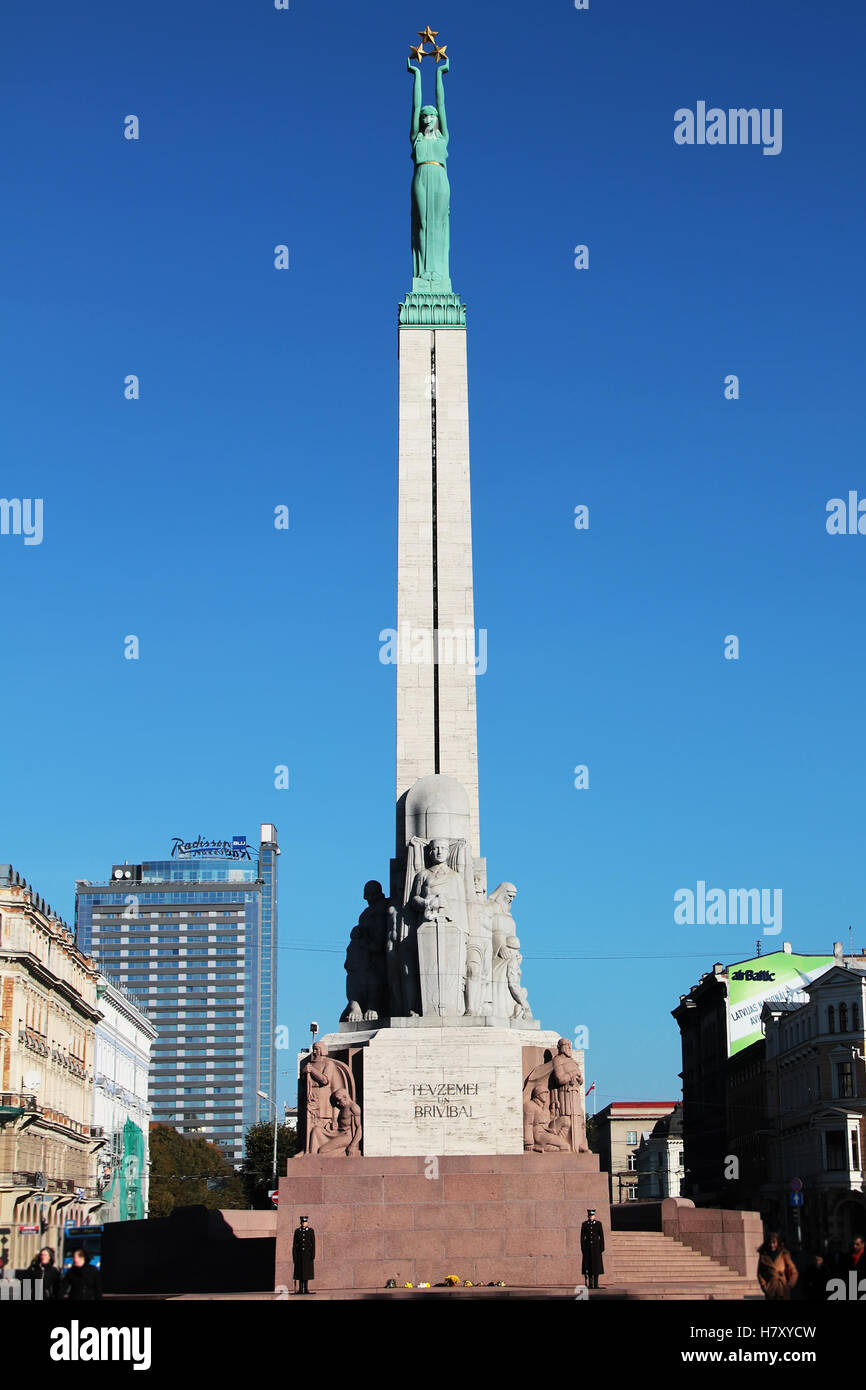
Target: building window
843, 1018
632, 1163
836, 1156
855, 1018
631, 1136
845, 1080
831, 1019
855, 1149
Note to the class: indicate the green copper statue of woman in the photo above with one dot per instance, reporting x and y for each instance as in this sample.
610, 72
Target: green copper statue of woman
431, 192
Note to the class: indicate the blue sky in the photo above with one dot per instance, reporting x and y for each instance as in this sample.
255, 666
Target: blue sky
602, 387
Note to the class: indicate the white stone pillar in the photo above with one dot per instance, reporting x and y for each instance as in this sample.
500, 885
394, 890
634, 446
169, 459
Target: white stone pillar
436, 723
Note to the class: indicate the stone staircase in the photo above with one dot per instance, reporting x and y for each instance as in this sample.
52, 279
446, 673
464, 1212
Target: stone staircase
649, 1265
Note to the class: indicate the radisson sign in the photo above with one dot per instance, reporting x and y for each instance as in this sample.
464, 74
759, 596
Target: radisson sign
215, 849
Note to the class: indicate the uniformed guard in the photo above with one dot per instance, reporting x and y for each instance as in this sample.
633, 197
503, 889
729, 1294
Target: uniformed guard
304, 1254
591, 1246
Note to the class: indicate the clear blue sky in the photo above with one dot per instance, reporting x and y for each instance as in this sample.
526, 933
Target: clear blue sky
603, 387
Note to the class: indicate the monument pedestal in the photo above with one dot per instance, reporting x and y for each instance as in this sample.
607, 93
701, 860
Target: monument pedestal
455, 1090
514, 1217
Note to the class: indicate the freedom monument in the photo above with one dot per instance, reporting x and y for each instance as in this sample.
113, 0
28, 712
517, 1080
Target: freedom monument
443, 1129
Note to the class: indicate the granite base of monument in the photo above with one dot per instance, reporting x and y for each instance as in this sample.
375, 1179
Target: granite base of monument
443, 1090
485, 1218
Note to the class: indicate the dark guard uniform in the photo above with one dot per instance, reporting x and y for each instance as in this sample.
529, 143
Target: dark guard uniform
592, 1246
304, 1254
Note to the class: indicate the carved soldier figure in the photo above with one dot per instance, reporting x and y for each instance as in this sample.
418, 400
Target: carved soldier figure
566, 1099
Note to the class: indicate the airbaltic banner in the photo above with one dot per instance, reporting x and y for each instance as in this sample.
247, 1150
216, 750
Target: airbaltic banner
753, 983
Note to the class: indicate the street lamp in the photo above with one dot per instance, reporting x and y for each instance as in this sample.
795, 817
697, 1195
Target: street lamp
266, 1097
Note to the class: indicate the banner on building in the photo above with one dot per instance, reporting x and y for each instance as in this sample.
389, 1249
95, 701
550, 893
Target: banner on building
753, 983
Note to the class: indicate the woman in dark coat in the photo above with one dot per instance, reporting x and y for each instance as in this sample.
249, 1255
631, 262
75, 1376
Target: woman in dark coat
304, 1254
42, 1267
592, 1246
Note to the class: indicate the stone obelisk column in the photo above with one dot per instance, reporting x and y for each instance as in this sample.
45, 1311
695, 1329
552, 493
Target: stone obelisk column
436, 722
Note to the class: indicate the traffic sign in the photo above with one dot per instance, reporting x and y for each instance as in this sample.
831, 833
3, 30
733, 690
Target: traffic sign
796, 1199
274, 1196
796, 1184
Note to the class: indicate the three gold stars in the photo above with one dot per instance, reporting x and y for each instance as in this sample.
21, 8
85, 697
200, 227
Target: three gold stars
428, 35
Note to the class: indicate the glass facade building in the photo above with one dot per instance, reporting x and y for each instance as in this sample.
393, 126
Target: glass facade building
193, 938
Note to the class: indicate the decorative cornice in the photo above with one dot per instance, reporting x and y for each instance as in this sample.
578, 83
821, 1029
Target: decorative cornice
442, 310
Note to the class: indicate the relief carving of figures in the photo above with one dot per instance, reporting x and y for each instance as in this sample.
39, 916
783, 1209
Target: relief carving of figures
325, 1077
540, 1132
563, 1078
345, 1134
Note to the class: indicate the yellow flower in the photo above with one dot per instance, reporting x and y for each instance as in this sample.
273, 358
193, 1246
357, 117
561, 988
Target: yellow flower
452, 1279
408, 1285
467, 1283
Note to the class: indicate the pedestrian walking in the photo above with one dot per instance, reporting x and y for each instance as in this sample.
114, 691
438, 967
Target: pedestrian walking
814, 1286
592, 1248
777, 1273
304, 1254
857, 1256
42, 1267
82, 1281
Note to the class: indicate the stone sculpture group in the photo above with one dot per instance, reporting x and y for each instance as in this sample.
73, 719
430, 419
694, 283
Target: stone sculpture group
448, 950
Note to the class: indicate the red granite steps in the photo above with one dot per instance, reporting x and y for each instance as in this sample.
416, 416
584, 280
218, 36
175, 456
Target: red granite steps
649, 1265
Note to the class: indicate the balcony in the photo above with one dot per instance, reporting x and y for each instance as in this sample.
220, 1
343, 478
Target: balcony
15, 1104
18, 1101
50, 1187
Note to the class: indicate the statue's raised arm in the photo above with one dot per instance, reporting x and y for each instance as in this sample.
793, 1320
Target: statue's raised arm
440, 95
415, 119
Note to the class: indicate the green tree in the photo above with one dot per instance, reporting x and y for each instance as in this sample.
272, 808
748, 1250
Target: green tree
187, 1171
258, 1165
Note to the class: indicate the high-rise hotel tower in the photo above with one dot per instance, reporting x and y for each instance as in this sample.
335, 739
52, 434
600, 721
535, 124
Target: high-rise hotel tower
193, 937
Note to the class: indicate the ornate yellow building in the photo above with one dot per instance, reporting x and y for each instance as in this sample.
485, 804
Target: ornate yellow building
48, 1016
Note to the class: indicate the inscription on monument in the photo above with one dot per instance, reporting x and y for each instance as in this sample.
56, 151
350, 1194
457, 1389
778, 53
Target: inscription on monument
442, 1099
